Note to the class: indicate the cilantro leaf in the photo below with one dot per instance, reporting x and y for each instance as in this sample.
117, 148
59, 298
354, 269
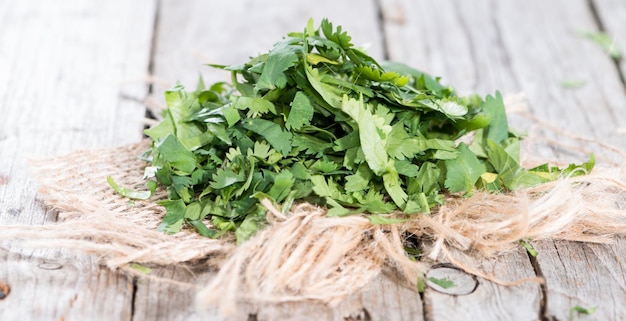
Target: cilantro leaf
138, 195
372, 135
254, 104
277, 137
301, 112
171, 151
317, 120
513, 176
283, 183
498, 129
281, 58
464, 171
174, 216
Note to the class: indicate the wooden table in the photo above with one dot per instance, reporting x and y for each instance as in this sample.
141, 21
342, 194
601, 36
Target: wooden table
75, 74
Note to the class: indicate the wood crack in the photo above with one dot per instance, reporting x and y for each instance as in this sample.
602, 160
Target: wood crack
601, 27
543, 287
133, 299
381, 27
153, 47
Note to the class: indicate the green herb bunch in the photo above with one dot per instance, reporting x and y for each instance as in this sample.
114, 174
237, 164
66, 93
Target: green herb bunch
318, 120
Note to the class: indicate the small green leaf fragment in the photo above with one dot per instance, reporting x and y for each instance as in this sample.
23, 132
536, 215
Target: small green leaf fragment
226, 177
174, 216
573, 83
581, 310
138, 195
315, 59
140, 268
606, 42
531, 250
383, 220
250, 226
498, 129
421, 285
453, 109
443, 282
372, 134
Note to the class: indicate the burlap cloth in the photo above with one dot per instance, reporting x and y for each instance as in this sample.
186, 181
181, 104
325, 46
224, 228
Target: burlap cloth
305, 255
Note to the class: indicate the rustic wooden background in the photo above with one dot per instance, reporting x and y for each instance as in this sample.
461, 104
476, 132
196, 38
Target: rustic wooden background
75, 74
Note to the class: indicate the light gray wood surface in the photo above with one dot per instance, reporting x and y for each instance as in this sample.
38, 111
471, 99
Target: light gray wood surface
586, 275
230, 32
73, 74
529, 47
186, 40
612, 18
489, 301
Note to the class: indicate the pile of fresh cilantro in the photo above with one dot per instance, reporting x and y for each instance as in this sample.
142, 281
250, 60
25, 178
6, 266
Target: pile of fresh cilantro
320, 121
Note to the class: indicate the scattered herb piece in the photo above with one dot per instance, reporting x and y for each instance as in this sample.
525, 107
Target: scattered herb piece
421, 285
444, 282
141, 268
531, 250
318, 120
606, 41
581, 310
573, 83
139, 195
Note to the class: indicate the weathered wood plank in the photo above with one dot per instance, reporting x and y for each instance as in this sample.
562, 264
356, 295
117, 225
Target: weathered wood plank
490, 301
530, 47
197, 33
74, 81
612, 16
173, 297
385, 298
71, 76
58, 285
586, 275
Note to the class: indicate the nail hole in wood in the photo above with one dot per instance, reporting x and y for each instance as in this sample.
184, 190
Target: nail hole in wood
463, 283
5, 289
49, 266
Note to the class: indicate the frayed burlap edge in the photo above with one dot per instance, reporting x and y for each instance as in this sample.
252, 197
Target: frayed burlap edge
93, 218
306, 255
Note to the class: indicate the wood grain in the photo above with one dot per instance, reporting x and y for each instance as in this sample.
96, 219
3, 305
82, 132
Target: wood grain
72, 76
489, 301
237, 30
57, 285
219, 32
612, 17
385, 298
529, 47
75, 82
586, 275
